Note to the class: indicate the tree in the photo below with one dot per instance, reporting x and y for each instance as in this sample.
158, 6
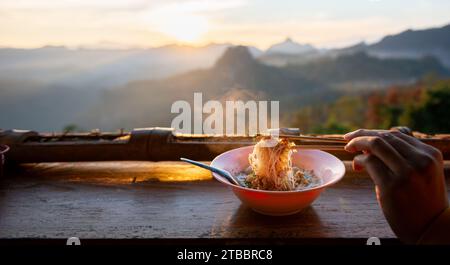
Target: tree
70, 128
432, 114
373, 113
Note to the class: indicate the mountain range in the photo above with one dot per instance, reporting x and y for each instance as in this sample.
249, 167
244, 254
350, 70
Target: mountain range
411, 44
48, 88
237, 75
415, 44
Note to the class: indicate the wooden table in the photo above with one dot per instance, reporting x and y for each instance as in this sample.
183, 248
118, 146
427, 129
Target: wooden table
169, 200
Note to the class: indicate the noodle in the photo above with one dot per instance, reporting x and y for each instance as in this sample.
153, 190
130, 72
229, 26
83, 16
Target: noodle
271, 167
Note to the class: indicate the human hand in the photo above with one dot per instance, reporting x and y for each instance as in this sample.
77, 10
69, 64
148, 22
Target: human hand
408, 176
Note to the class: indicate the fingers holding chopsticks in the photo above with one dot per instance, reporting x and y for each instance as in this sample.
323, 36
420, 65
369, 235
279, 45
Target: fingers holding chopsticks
381, 149
379, 172
411, 150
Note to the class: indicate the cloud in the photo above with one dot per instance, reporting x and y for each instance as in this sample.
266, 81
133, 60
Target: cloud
124, 5
71, 4
31, 23
185, 20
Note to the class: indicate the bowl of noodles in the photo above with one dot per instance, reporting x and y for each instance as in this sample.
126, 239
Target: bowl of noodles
277, 178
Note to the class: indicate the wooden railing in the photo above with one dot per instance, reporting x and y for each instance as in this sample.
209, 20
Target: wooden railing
150, 144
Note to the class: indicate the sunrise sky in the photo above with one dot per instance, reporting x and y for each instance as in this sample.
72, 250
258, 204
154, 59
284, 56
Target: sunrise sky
146, 23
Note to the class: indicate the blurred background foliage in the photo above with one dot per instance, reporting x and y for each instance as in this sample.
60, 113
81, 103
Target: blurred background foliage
423, 106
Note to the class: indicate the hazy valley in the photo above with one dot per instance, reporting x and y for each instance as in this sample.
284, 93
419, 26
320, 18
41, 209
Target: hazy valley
49, 88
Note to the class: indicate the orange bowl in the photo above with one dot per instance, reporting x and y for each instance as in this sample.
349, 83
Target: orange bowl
326, 166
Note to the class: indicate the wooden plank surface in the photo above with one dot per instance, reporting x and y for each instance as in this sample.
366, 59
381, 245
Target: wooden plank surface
168, 200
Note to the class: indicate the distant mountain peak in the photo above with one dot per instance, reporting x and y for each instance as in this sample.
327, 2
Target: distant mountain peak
288, 39
424, 39
235, 56
53, 47
289, 46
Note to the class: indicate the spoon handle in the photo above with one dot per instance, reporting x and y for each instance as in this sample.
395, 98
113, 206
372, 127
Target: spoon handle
219, 171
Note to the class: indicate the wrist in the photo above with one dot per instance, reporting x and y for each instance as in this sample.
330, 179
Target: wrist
438, 230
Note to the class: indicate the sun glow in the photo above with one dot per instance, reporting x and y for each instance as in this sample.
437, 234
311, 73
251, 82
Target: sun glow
184, 27
184, 22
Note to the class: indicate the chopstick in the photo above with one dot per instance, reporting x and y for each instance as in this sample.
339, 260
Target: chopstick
315, 138
313, 142
321, 147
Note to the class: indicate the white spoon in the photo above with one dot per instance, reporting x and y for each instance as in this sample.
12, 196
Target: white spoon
219, 171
